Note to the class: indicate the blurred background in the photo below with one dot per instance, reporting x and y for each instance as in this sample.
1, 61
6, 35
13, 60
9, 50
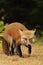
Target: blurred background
27, 12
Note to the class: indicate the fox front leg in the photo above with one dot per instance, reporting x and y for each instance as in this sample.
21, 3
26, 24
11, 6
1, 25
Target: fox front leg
19, 52
29, 49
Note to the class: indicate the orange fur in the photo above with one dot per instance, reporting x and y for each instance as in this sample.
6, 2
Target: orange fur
19, 26
12, 31
29, 34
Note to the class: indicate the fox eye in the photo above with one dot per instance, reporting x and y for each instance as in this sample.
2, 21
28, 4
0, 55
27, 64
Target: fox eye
30, 39
25, 39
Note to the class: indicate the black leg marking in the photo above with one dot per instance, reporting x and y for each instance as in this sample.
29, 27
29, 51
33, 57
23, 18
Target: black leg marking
11, 52
19, 52
29, 49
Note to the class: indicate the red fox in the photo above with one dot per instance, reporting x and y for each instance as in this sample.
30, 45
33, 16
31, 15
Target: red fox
15, 35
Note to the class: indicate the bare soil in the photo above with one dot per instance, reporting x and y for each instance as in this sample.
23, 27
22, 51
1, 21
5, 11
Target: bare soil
36, 58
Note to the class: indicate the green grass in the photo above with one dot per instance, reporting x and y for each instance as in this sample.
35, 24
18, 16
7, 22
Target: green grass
39, 40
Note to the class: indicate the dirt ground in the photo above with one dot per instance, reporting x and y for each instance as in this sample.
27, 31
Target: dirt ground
36, 57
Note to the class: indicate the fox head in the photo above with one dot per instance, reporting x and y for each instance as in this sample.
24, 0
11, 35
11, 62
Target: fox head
27, 37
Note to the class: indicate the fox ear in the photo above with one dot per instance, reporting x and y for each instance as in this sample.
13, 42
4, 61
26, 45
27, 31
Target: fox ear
34, 30
20, 31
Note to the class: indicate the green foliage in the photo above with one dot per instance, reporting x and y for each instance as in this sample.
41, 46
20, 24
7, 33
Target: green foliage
39, 40
5, 25
1, 26
0, 43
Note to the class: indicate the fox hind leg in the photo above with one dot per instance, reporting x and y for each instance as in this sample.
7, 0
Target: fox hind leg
19, 52
12, 47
